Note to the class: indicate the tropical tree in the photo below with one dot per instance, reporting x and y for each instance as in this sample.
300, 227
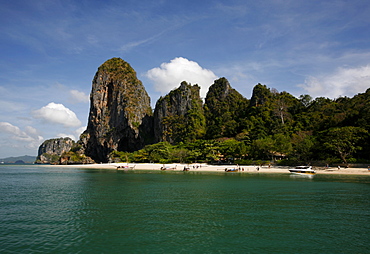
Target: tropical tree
344, 141
282, 144
302, 144
262, 148
179, 155
231, 148
305, 99
159, 152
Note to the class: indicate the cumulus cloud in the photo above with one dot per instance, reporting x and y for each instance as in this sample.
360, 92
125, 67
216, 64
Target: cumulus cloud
75, 135
30, 130
169, 75
29, 136
80, 130
57, 113
343, 82
78, 96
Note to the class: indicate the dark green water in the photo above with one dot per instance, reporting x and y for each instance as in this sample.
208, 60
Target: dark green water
63, 210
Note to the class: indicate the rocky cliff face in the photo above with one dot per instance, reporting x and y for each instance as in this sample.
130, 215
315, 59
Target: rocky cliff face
223, 109
51, 150
179, 115
260, 95
120, 113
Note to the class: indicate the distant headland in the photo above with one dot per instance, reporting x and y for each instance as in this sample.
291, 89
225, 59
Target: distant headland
26, 159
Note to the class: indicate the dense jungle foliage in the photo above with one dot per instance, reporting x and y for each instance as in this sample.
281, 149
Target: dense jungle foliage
271, 126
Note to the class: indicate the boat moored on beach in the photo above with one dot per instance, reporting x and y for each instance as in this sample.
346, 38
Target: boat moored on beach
125, 167
232, 169
168, 167
303, 170
186, 168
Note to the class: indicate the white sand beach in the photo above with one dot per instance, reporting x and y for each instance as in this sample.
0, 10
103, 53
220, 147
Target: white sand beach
218, 168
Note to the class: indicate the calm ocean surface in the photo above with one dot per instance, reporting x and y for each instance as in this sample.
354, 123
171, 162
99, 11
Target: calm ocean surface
72, 210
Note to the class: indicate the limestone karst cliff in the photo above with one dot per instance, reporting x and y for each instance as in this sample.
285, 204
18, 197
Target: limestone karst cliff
178, 116
227, 124
260, 95
223, 109
51, 150
121, 119
120, 116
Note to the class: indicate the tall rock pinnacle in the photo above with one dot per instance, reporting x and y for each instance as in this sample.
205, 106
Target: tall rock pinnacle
178, 116
120, 113
223, 108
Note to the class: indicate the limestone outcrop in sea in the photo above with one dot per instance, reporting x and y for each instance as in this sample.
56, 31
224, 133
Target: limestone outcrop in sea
223, 109
271, 125
50, 150
178, 116
120, 115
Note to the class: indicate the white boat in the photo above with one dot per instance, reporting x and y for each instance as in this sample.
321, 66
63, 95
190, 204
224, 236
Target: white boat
303, 170
232, 169
124, 167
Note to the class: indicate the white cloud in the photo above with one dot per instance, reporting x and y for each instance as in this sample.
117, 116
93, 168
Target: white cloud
80, 130
30, 130
75, 135
57, 113
78, 96
64, 135
11, 129
133, 44
8, 106
29, 138
343, 82
169, 75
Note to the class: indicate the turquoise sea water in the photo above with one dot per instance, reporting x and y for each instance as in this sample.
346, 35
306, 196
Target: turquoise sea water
64, 210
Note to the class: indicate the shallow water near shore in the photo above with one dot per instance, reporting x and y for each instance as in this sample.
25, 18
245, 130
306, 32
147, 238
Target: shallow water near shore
72, 210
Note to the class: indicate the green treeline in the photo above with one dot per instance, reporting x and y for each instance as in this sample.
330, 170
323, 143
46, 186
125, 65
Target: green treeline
271, 126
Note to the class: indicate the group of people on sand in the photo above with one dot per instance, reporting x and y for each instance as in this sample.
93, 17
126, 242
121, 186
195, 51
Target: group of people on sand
187, 168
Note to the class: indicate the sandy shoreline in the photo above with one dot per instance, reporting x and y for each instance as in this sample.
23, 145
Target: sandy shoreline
217, 168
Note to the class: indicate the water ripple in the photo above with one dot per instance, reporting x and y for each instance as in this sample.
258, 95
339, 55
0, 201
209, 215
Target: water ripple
74, 211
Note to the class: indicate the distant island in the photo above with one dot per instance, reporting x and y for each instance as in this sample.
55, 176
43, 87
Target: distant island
26, 159
225, 127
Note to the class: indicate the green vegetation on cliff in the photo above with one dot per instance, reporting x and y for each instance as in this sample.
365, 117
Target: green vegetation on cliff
118, 69
224, 110
271, 126
178, 116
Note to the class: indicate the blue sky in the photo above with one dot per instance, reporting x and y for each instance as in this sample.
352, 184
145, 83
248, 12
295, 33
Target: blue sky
50, 51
